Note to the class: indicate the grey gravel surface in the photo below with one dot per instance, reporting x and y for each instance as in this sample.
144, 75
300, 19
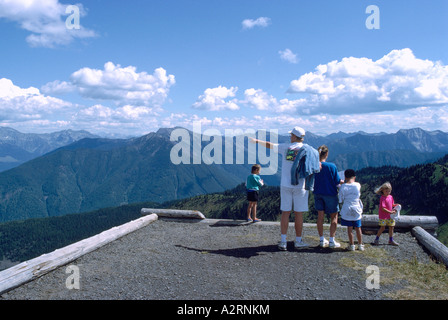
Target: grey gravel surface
172, 260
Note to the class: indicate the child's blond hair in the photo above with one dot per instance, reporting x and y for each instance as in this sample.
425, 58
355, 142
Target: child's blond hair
384, 186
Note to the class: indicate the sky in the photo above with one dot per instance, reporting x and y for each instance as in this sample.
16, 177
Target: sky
126, 68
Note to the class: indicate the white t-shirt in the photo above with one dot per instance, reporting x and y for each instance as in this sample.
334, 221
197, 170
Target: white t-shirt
288, 152
349, 194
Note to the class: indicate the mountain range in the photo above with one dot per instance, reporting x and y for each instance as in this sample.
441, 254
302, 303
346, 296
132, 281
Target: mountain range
93, 172
403, 148
17, 147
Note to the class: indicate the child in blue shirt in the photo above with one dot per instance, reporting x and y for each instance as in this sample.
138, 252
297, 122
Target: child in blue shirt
253, 184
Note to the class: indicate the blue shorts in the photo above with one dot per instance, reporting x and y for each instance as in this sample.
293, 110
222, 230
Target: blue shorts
348, 223
328, 204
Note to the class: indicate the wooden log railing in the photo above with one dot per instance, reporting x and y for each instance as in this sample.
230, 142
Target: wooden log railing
34, 268
404, 222
437, 249
174, 213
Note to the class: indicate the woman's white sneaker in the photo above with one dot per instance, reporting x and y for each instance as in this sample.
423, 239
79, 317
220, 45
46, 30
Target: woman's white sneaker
334, 244
323, 243
300, 244
282, 245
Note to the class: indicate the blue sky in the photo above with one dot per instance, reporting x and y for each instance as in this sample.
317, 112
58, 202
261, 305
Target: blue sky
135, 66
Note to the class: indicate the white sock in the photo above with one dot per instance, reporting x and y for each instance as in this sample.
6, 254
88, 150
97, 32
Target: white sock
331, 239
322, 238
283, 237
299, 239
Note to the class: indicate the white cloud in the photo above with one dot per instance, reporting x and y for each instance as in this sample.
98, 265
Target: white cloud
288, 56
423, 117
124, 121
394, 92
8, 90
217, 99
134, 98
123, 114
45, 19
214, 99
122, 85
57, 87
18, 104
398, 81
120, 122
173, 120
259, 22
261, 100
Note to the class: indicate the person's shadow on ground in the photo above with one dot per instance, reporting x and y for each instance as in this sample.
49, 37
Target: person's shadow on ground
249, 252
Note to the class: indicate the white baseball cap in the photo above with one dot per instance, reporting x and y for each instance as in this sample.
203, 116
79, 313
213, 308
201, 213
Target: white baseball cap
298, 132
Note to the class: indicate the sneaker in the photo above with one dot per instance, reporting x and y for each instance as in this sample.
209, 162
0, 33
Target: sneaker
376, 242
393, 243
334, 244
323, 243
282, 246
360, 247
257, 220
300, 244
351, 247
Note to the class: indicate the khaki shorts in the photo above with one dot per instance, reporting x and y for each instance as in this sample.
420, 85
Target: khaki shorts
293, 198
386, 222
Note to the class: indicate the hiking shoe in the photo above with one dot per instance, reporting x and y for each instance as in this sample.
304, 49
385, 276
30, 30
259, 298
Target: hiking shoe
360, 247
323, 243
282, 246
351, 247
334, 244
393, 243
300, 244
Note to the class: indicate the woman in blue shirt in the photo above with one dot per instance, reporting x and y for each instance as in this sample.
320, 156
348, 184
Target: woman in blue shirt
326, 197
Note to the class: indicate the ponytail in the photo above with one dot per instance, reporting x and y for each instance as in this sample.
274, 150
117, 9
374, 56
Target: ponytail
323, 152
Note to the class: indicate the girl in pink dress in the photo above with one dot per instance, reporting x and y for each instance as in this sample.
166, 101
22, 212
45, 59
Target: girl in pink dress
386, 208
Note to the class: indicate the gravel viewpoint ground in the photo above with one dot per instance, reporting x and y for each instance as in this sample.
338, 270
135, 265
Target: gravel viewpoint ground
173, 260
